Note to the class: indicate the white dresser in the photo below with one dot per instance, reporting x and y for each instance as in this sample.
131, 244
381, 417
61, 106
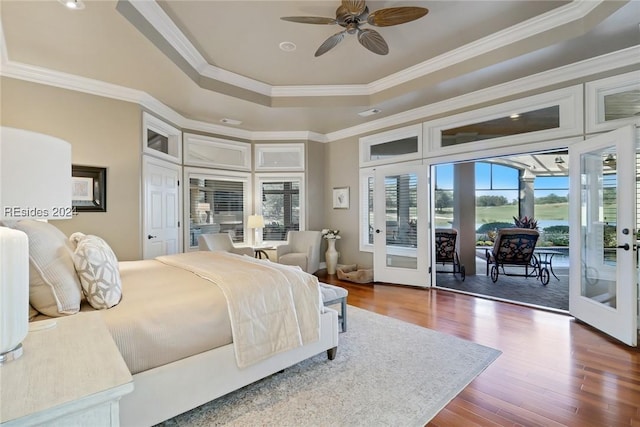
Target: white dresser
71, 374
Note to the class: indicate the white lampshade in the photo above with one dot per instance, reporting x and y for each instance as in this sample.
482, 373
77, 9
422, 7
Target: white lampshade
35, 175
35, 183
14, 292
255, 221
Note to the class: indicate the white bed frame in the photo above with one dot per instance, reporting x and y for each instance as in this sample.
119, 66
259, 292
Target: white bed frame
164, 392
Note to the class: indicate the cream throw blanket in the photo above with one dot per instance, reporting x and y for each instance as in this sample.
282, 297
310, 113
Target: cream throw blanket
272, 308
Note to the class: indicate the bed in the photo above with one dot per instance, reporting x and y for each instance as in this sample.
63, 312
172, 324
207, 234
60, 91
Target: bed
193, 327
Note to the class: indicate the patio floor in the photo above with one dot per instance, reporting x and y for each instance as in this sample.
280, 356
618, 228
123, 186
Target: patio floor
527, 290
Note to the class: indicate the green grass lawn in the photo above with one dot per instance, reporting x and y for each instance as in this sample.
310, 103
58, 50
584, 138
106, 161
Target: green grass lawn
546, 212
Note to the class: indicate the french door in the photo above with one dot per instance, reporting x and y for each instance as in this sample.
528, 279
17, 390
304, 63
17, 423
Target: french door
401, 242
604, 272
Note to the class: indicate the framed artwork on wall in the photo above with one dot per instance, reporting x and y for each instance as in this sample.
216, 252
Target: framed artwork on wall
341, 198
88, 188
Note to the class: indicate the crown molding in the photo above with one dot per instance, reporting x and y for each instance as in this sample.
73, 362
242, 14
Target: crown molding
162, 23
289, 136
573, 11
170, 31
611, 61
578, 70
323, 90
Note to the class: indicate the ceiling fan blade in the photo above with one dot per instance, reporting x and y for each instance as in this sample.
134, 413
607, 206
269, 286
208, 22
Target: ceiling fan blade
373, 41
310, 20
354, 7
395, 16
330, 43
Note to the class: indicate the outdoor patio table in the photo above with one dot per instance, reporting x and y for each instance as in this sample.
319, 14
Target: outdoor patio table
545, 258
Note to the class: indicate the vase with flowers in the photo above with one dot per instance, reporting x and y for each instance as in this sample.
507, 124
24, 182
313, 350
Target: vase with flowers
331, 255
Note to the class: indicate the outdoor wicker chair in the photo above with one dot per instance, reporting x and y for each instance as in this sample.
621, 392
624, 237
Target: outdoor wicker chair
446, 250
515, 247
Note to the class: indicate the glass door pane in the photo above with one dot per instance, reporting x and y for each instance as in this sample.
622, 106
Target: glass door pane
401, 217
401, 225
603, 290
598, 204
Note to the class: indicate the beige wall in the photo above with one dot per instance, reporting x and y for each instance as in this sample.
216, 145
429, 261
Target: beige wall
342, 170
102, 132
315, 188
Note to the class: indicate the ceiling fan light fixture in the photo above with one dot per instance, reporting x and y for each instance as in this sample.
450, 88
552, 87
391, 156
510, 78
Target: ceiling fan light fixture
73, 4
351, 14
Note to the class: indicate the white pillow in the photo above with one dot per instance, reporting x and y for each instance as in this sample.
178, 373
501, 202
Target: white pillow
54, 288
97, 268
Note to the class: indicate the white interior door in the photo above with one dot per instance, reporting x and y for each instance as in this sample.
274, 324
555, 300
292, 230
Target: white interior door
161, 210
401, 251
603, 276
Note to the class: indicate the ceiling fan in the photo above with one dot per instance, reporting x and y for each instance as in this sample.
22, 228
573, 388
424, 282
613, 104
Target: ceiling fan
351, 14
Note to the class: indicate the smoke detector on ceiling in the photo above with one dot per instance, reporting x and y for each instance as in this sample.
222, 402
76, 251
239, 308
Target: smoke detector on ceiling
369, 112
228, 121
288, 46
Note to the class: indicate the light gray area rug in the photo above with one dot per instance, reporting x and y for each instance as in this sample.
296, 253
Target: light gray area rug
387, 373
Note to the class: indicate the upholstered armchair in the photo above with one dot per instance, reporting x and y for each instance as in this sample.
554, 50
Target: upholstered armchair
221, 242
302, 249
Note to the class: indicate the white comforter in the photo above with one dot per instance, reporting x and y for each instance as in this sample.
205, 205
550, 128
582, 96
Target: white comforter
272, 308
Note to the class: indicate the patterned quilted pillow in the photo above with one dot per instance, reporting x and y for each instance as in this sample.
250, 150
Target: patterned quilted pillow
97, 268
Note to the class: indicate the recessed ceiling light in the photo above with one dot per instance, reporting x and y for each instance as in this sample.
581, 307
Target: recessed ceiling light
73, 4
227, 121
288, 46
369, 112
514, 116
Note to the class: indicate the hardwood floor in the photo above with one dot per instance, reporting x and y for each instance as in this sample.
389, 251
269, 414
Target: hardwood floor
554, 370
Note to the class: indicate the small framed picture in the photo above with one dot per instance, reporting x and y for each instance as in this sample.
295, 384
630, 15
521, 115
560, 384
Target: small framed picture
88, 188
341, 198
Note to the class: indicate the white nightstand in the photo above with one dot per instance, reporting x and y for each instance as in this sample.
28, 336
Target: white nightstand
71, 374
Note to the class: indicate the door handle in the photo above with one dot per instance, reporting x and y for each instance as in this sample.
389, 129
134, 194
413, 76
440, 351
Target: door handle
625, 246
153, 237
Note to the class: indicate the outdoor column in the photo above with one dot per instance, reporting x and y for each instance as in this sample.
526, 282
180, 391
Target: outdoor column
464, 218
527, 197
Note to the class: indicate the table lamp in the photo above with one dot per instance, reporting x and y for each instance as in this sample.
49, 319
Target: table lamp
257, 223
35, 183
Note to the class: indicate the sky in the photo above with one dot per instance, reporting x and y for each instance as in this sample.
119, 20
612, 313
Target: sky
505, 181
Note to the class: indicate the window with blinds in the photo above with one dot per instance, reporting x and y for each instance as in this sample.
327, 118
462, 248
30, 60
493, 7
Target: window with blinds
370, 223
216, 206
366, 207
401, 209
281, 203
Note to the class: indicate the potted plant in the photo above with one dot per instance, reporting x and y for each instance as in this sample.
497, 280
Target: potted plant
526, 222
